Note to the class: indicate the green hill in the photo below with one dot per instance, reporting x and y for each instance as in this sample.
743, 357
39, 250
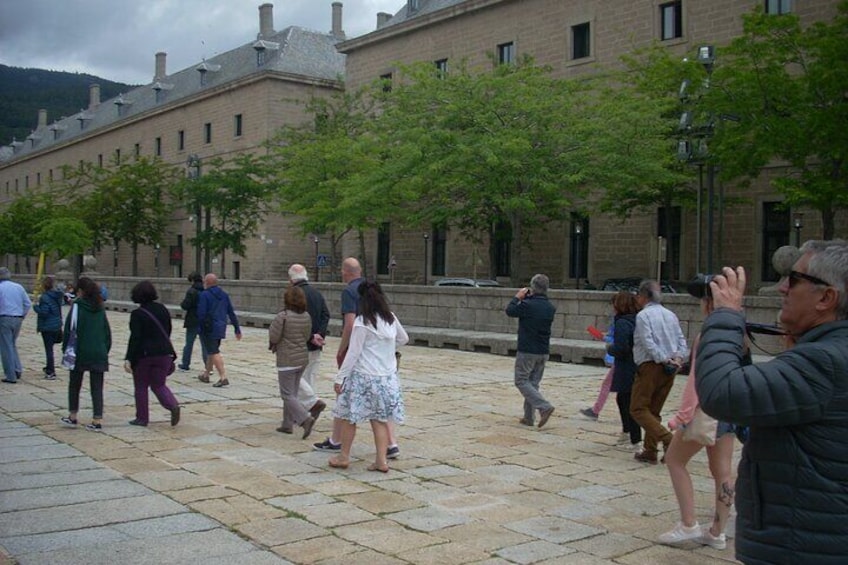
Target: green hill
25, 91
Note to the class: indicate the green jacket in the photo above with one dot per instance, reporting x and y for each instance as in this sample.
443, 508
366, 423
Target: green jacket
94, 337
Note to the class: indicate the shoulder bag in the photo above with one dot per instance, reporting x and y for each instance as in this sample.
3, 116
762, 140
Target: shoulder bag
702, 428
173, 366
69, 357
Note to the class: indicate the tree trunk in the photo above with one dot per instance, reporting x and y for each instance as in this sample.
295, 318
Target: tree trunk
516, 276
362, 257
135, 259
828, 216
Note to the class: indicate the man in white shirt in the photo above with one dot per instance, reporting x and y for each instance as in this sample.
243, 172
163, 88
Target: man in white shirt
14, 306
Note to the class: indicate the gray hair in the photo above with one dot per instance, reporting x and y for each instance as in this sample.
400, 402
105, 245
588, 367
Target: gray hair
829, 262
650, 289
539, 284
297, 273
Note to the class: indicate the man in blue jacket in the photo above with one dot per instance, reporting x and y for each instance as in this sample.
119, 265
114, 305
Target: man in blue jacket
213, 310
535, 315
792, 486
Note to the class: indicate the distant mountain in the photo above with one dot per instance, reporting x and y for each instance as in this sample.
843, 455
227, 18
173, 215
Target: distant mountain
23, 92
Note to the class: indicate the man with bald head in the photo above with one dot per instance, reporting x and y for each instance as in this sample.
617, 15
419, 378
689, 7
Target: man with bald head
213, 310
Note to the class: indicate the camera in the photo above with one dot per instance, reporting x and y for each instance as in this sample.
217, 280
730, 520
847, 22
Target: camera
699, 287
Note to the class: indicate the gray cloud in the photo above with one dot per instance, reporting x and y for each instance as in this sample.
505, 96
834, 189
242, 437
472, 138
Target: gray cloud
118, 39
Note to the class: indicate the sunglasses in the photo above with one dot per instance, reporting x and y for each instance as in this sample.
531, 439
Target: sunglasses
796, 276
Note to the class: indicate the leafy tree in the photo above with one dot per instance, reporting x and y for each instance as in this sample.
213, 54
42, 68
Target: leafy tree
322, 170
64, 236
19, 226
787, 84
236, 198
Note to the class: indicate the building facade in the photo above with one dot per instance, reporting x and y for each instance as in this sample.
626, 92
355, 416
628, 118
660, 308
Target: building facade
234, 102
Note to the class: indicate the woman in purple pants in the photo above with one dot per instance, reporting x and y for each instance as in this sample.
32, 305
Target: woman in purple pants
150, 355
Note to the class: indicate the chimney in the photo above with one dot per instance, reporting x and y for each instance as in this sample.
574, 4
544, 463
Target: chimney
42, 118
337, 30
266, 20
160, 73
93, 96
382, 19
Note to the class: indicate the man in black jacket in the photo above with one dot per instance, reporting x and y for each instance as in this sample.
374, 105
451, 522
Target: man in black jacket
320, 315
792, 488
189, 304
535, 315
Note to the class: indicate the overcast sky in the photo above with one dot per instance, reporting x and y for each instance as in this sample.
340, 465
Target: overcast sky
118, 39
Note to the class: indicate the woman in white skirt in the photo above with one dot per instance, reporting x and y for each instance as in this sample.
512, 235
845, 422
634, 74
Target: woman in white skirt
367, 382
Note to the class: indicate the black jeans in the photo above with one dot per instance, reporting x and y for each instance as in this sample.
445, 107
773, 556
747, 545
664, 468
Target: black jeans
50, 338
74, 387
622, 399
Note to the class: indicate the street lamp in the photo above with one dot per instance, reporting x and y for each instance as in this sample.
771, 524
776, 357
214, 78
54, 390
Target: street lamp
115, 260
578, 241
426, 239
193, 174
798, 223
157, 247
317, 265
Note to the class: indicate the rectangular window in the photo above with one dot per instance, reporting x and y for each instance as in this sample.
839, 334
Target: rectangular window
160, 95
506, 53
118, 156
37, 179
158, 146
670, 269
207, 132
581, 41
237, 125
502, 236
671, 20
386, 81
26, 182
778, 7
442, 68
776, 223
412, 6
137, 149
440, 244
260, 57
99, 160
50, 175
384, 248
181, 140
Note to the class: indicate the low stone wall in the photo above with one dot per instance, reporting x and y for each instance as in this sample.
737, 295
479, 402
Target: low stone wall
460, 311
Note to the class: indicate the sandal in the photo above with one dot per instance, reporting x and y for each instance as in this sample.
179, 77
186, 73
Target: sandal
223, 382
203, 377
374, 467
334, 462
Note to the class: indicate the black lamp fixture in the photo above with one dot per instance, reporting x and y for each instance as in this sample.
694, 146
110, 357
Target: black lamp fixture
426, 240
578, 244
798, 223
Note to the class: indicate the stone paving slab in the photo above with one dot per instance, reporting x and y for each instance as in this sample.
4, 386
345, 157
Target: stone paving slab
471, 486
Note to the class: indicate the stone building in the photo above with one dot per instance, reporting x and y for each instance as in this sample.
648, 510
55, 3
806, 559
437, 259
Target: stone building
233, 102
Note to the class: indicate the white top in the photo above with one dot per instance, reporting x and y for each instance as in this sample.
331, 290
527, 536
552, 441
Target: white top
372, 350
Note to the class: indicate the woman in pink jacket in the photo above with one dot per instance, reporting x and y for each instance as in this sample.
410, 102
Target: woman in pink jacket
719, 455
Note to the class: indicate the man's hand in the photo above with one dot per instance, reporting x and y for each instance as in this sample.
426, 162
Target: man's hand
238, 336
522, 293
728, 288
338, 388
318, 340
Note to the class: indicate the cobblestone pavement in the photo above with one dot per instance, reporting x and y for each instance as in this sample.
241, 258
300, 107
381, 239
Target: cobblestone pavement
472, 485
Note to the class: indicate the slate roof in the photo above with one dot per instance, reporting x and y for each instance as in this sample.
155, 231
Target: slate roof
425, 7
302, 54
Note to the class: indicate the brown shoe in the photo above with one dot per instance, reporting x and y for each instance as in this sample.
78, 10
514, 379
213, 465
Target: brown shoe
203, 377
525, 422
545, 415
222, 382
284, 430
645, 457
317, 408
307, 426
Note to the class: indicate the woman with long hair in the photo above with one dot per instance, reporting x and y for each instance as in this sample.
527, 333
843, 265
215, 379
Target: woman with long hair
88, 323
719, 456
624, 368
150, 354
287, 338
367, 382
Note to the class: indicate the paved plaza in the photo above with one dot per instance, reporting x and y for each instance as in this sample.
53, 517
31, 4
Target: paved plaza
472, 485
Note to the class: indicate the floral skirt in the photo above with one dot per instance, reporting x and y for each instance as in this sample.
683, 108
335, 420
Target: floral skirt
366, 397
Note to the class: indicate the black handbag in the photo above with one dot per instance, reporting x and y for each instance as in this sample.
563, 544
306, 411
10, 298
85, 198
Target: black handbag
173, 366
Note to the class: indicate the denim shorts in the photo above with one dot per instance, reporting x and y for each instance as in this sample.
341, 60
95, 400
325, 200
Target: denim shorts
724, 428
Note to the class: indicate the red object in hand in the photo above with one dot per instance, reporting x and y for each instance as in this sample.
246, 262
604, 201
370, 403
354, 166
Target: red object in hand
595, 332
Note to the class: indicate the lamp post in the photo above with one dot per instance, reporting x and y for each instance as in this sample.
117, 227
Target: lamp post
158, 248
798, 223
193, 174
115, 260
578, 243
317, 265
426, 239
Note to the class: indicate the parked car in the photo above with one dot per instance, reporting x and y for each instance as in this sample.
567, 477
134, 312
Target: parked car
459, 281
631, 284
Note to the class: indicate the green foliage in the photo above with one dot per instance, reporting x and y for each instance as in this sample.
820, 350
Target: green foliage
787, 85
23, 92
64, 236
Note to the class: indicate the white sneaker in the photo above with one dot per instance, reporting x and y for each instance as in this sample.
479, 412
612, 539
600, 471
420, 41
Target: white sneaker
680, 534
716, 542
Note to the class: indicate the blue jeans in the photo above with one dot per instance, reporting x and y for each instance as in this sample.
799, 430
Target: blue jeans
10, 327
50, 339
191, 335
529, 368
